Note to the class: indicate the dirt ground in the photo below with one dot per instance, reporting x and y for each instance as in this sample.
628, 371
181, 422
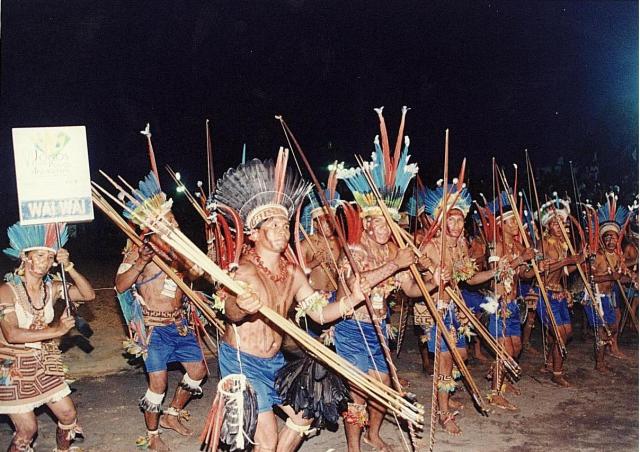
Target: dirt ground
600, 413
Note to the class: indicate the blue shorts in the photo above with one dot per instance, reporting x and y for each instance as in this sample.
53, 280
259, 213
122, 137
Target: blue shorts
450, 320
609, 313
261, 373
559, 308
312, 328
167, 346
511, 325
473, 300
349, 344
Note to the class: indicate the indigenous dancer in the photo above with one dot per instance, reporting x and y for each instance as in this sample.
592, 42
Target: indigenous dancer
31, 372
510, 259
557, 265
630, 254
379, 260
460, 267
609, 268
265, 196
165, 335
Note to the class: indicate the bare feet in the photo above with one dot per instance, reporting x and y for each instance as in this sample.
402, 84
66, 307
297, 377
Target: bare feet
511, 388
500, 402
448, 423
618, 355
546, 368
156, 444
173, 423
404, 382
560, 380
377, 443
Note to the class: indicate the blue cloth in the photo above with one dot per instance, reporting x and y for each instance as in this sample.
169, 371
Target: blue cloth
559, 308
592, 315
261, 373
347, 339
450, 319
512, 321
167, 346
473, 300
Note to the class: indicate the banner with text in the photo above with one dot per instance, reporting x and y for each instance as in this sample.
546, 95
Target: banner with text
52, 173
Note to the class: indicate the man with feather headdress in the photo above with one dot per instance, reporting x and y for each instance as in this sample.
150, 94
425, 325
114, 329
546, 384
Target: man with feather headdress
266, 195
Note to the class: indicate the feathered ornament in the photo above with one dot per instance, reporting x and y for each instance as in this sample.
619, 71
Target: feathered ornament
390, 174
557, 207
260, 190
148, 196
25, 238
490, 305
310, 388
314, 208
611, 217
458, 197
633, 218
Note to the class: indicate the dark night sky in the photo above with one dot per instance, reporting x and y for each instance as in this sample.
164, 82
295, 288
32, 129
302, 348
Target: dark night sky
559, 78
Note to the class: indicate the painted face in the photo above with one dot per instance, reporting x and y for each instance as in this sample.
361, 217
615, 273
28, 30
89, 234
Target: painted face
170, 217
273, 234
377, 228
610, 239
510, 226
455, 224
323, 226
555, 227
39, 262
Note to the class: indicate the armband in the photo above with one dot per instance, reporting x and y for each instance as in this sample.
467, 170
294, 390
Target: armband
493, 258
314, 302
124, 267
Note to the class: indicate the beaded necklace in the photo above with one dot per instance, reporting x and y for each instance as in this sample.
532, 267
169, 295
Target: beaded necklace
282, 267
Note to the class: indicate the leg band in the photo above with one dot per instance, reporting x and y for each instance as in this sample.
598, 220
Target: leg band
70, 430
151, 402
446, 383
455, 373
181, 414
357, 414
190, 385
21, 444
302, 430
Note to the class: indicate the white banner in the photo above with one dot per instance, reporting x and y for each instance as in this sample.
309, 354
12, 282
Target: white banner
52, 173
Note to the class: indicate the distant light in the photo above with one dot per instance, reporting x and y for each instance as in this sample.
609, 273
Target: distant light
556, 113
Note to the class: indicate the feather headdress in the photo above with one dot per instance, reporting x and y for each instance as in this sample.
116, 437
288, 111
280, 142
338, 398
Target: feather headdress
25, 238
148, 196
611, 217
633, 217
315, 209
260, 190
458, 197
390, 173
557, 207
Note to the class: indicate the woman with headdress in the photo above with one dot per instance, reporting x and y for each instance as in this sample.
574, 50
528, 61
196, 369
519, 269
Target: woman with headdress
31, 372
266, 195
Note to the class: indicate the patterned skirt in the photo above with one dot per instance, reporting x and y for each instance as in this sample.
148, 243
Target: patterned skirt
30, 378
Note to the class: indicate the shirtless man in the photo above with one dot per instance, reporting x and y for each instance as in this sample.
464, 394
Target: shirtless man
379, 260
630, 254
321, 253
510, 259
170, 338
459, 266
557, 265
274, 282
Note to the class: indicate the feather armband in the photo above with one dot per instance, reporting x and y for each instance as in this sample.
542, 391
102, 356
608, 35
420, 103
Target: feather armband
313, 303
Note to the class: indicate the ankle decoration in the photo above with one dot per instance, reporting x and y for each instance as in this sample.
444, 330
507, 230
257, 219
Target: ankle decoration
143, 442
356, 414
151, 402
183, 415
455, 373
302, 430
21, 444
190, 385
70, 430
446, 384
